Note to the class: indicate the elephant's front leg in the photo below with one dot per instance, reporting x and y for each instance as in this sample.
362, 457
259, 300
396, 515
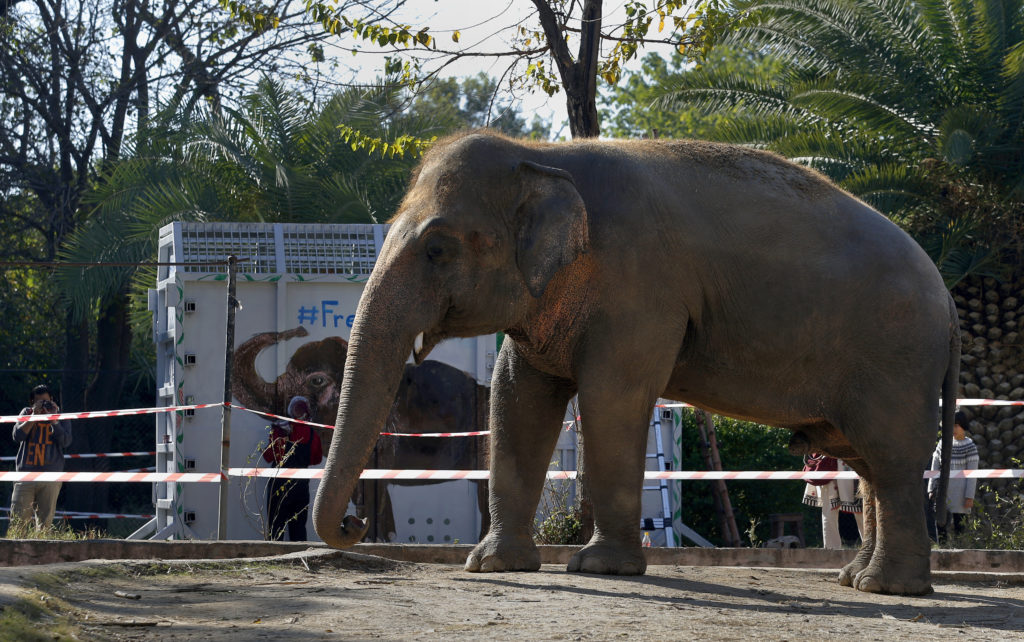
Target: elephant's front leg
527, 408
615, 428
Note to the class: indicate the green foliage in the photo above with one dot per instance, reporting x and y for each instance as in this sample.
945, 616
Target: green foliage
37, 616
59, 530
560, 527
559, 520
453, 104
996, 524
32, 339
403, 146
538, 62
743, 446
915, 106
630, 107
274, 157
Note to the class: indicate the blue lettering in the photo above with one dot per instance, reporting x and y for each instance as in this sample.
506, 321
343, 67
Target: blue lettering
307, 315
324, 314
327, 310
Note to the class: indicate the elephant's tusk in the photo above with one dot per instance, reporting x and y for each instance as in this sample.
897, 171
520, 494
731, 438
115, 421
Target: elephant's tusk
417, 345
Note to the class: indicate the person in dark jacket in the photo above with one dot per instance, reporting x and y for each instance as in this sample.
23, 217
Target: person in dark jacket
292, 445
41, 447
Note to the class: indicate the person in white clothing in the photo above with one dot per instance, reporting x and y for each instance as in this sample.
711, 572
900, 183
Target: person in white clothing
833, 497
960, 496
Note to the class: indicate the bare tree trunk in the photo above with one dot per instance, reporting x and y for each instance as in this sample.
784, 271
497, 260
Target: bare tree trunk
579, 76
709, 448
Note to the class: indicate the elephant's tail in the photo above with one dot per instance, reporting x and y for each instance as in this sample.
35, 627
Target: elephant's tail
949, 389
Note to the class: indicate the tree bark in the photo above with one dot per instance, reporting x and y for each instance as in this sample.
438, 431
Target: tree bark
579, 76
723, 507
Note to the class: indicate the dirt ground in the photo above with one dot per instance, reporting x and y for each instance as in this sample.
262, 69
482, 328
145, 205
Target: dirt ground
334, 595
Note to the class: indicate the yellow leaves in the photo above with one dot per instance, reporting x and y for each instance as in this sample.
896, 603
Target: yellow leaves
257, 21
401, 146
455, 35
661, 23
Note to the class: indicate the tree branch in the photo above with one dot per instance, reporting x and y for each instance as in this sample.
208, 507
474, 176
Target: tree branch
553, 33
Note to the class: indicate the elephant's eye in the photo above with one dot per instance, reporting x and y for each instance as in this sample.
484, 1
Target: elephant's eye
440, 249
318, 380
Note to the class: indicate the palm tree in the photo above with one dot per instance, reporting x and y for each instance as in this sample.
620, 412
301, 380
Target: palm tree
915, 106
273, 158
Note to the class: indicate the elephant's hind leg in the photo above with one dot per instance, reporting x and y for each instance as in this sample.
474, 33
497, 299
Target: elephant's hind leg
894, 459
901, 560
527, 408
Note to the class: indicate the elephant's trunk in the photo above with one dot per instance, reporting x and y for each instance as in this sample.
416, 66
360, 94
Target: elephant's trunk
248, 386
373, 369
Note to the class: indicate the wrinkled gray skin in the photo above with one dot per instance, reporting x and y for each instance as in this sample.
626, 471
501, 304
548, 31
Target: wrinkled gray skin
625, 271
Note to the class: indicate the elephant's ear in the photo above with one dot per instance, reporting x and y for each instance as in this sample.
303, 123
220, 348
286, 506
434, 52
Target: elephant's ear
552, 223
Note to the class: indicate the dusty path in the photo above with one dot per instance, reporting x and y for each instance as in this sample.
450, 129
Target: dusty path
355, 597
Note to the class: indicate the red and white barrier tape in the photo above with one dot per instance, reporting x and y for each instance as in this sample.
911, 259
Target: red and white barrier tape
474, 433
141, 453
317, 473
109, 477
93, 414
74, 514
94, 516
369, 473
773, 475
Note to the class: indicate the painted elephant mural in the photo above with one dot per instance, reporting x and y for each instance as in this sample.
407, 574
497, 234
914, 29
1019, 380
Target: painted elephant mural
315, 372
432, 397
622, 271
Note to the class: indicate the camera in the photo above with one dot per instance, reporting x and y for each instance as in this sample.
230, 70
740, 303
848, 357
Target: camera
49, 406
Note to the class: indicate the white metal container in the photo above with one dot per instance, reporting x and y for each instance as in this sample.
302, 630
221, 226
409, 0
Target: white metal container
289, 276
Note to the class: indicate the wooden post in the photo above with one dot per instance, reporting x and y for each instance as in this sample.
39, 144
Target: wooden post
716, 498
225, 411
709, 448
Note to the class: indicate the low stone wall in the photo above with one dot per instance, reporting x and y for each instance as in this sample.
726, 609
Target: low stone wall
33, 552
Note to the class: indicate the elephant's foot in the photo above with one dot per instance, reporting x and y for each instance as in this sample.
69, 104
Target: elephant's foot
858, 564
495, 554
893, 579
608, 559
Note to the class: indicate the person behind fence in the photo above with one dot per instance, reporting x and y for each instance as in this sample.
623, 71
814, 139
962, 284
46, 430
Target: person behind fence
292, 445
41, 447
833, 496
960, 495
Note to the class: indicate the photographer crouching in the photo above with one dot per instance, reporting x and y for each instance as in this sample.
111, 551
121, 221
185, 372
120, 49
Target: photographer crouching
41, 447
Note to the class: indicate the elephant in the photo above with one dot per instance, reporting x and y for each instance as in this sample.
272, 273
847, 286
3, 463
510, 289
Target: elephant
623, 271
433, 397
